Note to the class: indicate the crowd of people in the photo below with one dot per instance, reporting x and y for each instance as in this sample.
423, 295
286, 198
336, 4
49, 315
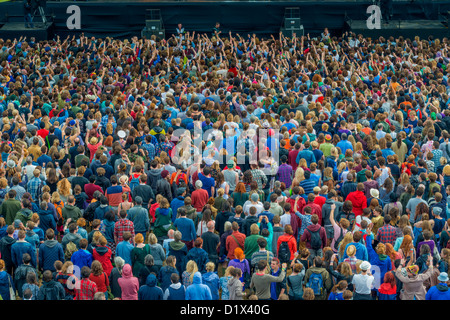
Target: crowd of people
220, 166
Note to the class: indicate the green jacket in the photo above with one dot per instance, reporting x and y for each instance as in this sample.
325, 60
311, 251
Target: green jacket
327, 282
251, 245
9, 209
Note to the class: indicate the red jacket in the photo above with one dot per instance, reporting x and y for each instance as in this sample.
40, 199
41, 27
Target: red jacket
358, 200
102, 281
306, 236
103, 254
319, 200
292, 243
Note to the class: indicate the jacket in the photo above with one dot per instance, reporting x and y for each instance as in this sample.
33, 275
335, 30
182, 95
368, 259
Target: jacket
197, 290
154, 175
248, 221
71, 237
235, 289
5, 250
5, 281
164, 276
163, 188
179, 251
82, 258
103, 254
438, 292
386, 292
49, 252
46, 220
70, 211
211, 279
292, 244
382, 261
150, 291
128, 284
176, 203
358, 200
306, 236
413, 287
20, 276
200, 256
18, 249
51, 290
145, 192
327, 281
140, 219
8, 210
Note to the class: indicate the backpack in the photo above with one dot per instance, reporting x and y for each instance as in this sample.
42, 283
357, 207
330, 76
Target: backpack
339, 239
58, 208
284, 254
134, 183
315, 282
71, 248
316, 242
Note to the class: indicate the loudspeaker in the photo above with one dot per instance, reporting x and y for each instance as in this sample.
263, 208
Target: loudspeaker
292, 23
148, 33
153, 24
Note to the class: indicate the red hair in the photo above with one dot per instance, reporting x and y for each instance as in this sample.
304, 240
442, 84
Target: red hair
389, 278
239, 254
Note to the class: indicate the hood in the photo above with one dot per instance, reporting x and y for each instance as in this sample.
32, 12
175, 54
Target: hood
126, 271
155, 172
176, 285
151, 280
164, 211
176, 245
209, 276
233, 282
101, 250
50, 243
30, 233
382, 257
51, 284
313, 227
442, 287
45, 212
70, 207
72, 236
386, 288
197, 278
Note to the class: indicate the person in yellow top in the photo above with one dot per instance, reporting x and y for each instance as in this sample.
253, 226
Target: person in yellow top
35, 149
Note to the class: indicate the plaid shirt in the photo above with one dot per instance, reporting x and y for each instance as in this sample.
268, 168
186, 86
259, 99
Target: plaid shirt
437, 154
86, 290
34, 188
352, 262
121, 226
259, 177
386, 234
165, 146
150, 149
285, 174
20, 191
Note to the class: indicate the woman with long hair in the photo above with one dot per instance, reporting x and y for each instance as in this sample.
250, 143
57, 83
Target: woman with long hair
240, 195
64, 189
99, 277
188, 275
66, 275
242, 263
138, 254
407, 251
388, 289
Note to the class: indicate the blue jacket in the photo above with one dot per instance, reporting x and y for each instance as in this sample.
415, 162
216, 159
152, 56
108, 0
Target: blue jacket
361, 251
438, 292
175, 204
140, 219
107, 230
18, 249
382, 261
186, 227
200, 257
123, 250
211, 279
47, 220
197, 290
150, 291
344, 145
100, 212
164, 276
81, 258
5, 280
306, 154
49, 252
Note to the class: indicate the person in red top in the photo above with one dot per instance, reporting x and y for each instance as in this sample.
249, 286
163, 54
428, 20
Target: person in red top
99, 277
358, 199
199, 197
234, 240
315, 208
320, 200
307, 237
91, 187
93, 144
292, 157
42, 132
103, 254
288, 236
85, 288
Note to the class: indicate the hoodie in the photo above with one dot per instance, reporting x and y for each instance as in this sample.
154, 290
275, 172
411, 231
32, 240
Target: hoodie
211, 279
163, 221
164, 276
438, 292
128, 284
381, 260
71, 237
47, 220
5, 250
386, 292
150, 291
235, 289
306, 236
179, 251
153, 176
197, 290
103, 254
20, 277
49, 252
72, 212
51, 290
176, 291
82, 258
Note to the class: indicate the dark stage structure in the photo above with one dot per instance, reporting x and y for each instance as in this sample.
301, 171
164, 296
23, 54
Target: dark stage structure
128, 19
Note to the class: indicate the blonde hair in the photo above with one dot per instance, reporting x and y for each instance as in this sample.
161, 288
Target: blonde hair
192, 268
64, 187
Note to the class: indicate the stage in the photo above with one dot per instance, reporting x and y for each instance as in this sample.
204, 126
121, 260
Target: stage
127, 19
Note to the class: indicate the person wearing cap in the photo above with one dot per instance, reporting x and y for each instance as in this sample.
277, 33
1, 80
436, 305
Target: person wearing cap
375, 194
413, 286
230, 175
363, 282
326, 147
439, 291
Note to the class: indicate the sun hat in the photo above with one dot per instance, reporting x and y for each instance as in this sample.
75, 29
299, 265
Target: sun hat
414, 269
365, 266
94, 140
374, 193
351, 250
443, 277
328, 137
121, 134
10, 164
198, 183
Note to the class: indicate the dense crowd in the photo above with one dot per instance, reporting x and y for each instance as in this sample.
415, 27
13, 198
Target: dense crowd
220, 166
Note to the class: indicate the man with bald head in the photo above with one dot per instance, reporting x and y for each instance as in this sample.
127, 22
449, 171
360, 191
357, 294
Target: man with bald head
211, 242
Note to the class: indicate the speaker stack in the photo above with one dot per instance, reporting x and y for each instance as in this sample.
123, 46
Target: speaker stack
292, 23
153, 24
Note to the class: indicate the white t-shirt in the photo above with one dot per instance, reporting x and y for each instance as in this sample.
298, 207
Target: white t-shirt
363, 283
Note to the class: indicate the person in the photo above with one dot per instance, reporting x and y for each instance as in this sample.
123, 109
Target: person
235, 240
198, 255
67, 279
103, 254
211, 279
262, 281
413, 288
50, 251
124, 248
19, 248
315, 237
138, 254
150, 291
235, 286
211, 242
318, 279
139, 216
129, 285
363, 282
50, 289
187, 229
6, 282
295, 282
337, 292
115, 275
242, 263
5, 248
85, 289
439, 291
99, 277
277, 289
20, 274
197, 290
157, 251
176, 291
388, 289
28, 8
